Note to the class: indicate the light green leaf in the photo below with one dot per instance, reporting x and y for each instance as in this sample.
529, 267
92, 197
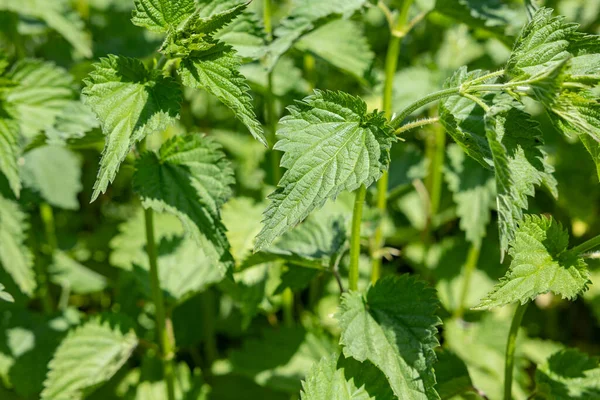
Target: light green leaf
217, 71
9, 150
330, 144
541, 48
15, 257
394, 326
339, 378
188, 386
41, 93
302, 18
89, 356
242, 216
568, 374
280, 358
75, 120
189, 178
519, 162
473, 189
73, 276
54, 173
343, 44
541, 264
5, 295
148, 102
58, 15
161, 15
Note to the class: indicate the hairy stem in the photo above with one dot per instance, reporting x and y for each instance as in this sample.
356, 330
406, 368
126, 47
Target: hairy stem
470, 266
267, 19
165, 343
586, 246
270, 113
391, 64
417, 124
359, 201
287, 304
47, 217
436, 150
510, 349
442, 94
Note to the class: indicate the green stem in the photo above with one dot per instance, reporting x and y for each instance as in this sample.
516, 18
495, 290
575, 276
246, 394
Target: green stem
510, 349
287, 305
586, 246
417, 124
165, 343
436, 147
208, 326
470, 266
391, 64
442, 94
309, 70
47, 215
359, 201
267, 19
162, 61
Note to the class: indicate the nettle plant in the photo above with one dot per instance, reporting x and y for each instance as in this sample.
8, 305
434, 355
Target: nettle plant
192, 266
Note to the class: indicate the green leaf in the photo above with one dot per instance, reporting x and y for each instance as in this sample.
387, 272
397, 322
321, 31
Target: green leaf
330, 144
316, 243
541, 48
245, 34
216, 70
188, 386
5, 295
161, 15
9, 150
519, 162
452, 375
280, 358
341, 43
394, 326
75, 120
148, 102
473, 189
302, 18
41, 92
541, 264
73, 276
189, 178
242, 216
15, 256
54, 173
58, 15
339, 378
568, 374
89, 356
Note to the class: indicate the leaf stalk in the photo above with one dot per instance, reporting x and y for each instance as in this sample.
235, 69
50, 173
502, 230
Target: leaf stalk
359, 201
511, 345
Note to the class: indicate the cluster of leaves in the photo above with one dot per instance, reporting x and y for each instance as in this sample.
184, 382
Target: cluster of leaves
182, 279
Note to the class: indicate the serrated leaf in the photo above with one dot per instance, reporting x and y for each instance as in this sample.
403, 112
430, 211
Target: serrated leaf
75, 120
189, 178
519, 164
343, 44
339, 378
42, 90
568, 374
242, 216
330, 144
161, 15
89, 356
9, 150
452, 375
58, 15
217, 71
4, 295
316, 243
394, 326
54, 173
541, 264
280, 358
304, 17
473, 189
492, 15
15, 256
148, 102
73, 276
541, 48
